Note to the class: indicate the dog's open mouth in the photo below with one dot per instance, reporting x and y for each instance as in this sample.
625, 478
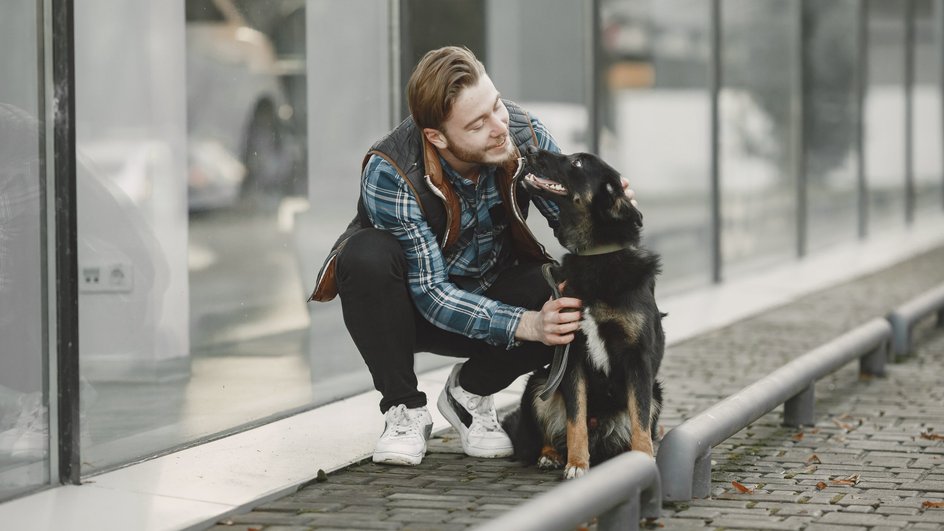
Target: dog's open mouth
545, 184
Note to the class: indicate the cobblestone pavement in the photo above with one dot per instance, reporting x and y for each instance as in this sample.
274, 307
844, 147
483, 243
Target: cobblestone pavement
874, 460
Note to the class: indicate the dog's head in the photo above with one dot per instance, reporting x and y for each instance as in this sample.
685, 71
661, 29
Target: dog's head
594, 209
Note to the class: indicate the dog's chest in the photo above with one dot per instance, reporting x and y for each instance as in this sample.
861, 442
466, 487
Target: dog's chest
596, 348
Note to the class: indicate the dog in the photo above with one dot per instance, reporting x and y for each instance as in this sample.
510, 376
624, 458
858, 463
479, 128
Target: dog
609, 398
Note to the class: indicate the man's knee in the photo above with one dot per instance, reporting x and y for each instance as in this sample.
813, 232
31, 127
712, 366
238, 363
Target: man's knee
371, 255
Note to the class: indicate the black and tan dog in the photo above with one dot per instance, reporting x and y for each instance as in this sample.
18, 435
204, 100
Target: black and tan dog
609, 399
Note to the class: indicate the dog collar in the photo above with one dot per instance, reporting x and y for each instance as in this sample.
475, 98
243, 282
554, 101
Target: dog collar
603, 249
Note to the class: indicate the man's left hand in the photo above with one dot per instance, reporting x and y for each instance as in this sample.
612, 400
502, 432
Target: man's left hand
629, 191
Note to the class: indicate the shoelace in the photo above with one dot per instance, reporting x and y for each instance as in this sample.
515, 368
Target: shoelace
402, 423
484, 413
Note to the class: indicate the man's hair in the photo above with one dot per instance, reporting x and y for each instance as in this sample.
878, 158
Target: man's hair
436, 82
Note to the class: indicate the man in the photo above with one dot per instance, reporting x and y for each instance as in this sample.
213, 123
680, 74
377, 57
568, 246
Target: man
439, 259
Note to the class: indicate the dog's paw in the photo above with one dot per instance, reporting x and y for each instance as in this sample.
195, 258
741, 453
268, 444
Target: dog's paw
574, 471
546, 462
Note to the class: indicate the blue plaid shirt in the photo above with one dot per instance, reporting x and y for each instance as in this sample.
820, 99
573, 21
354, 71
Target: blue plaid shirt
482, 251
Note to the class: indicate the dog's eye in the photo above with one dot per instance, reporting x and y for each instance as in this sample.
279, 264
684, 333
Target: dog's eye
577, 163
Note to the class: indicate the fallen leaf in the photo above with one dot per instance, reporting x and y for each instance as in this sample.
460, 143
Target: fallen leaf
848, 481
821, 485
741, 488
798, 436
932, 436
933, 505
813, 459
810, 469
843, 425
814, 431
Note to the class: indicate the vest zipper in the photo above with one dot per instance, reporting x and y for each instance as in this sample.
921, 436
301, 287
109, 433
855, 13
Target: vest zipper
517, 212
440, 195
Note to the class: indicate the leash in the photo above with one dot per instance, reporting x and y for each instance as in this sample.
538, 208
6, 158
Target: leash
559, 363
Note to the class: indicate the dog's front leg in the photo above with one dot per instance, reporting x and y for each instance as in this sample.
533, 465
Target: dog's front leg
578, 443
640, 417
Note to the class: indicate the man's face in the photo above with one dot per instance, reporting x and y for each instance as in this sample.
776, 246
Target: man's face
476, 131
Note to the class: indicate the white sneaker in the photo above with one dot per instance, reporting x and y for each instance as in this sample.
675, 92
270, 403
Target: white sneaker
404, 438
474, 417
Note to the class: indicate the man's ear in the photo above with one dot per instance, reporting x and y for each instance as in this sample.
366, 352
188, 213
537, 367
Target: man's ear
436, 137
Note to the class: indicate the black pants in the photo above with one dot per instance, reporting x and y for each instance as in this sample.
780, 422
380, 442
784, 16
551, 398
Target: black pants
388, 329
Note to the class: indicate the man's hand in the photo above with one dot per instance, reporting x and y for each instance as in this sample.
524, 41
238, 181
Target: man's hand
553, 325
629, 191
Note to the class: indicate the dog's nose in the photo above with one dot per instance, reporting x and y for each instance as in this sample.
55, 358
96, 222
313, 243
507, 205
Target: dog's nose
531, 150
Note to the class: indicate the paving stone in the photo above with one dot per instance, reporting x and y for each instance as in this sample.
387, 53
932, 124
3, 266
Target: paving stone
868, 428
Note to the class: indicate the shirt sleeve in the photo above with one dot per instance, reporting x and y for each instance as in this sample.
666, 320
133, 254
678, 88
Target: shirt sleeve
391, 206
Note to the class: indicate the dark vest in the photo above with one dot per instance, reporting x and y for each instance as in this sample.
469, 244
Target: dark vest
417, 163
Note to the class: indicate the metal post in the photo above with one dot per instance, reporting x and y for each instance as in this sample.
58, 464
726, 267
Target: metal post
594, 87
624, 516
873, 364
67, 292
715, 94
862, 81
684, 457
910, 198
701, 475
798, 411
801, 88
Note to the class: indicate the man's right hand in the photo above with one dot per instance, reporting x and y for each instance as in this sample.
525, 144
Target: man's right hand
554, 324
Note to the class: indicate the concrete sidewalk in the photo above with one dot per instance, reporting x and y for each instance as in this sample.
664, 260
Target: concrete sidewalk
873, 459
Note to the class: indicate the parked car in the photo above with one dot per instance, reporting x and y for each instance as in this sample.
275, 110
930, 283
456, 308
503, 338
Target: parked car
240, 141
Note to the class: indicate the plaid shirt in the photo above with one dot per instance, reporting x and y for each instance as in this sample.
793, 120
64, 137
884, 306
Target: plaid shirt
481, 253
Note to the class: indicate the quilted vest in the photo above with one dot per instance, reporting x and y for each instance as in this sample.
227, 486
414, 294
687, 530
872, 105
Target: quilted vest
417, 163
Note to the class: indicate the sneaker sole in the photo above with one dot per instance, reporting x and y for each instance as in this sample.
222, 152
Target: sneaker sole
392, 458
443, 405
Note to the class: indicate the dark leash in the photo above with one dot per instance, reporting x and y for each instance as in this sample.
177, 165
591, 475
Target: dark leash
559, 363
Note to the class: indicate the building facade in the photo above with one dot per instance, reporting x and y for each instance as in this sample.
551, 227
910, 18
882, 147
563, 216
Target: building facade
173, 173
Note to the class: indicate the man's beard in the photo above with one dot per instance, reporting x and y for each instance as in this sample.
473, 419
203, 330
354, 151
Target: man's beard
482, 157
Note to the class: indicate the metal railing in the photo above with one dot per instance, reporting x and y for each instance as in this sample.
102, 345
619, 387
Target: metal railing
620, 491
905, 317
684, 457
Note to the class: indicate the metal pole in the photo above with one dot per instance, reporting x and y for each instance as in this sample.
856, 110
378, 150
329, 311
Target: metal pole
910, 198
594, 87
684, 453
715, 80
862, 80
67, 307
801, 87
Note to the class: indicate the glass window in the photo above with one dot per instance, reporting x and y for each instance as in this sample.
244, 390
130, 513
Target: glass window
191, 171
656, 124
831, 73
927, 112
757, 105
884, 115
536, 54
24, 424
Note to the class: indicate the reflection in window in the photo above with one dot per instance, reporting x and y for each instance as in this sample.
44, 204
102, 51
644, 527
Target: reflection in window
884, 115
831, 121
655, 100
757, 103
926, 110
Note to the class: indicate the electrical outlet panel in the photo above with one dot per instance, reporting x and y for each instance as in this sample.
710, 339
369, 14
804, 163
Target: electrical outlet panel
112, 277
